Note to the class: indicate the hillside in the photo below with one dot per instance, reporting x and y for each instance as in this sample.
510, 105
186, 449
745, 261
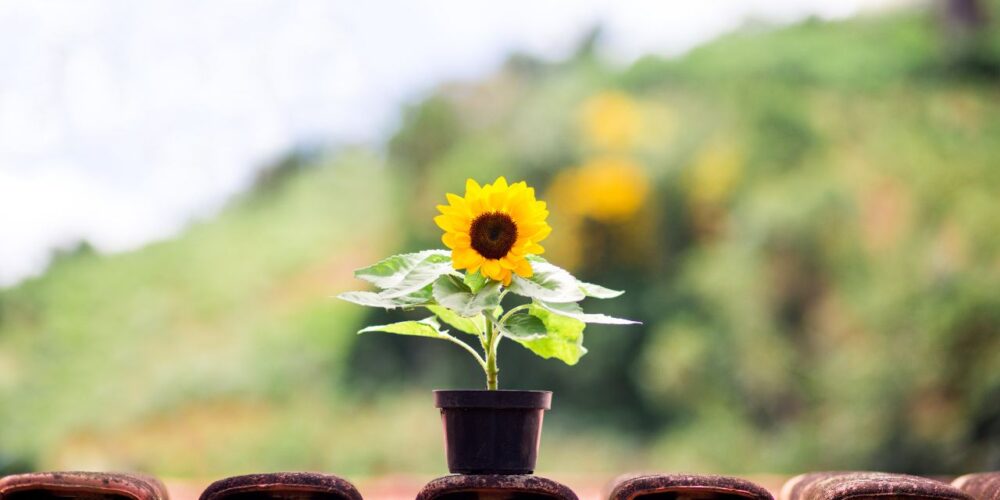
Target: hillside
806, 219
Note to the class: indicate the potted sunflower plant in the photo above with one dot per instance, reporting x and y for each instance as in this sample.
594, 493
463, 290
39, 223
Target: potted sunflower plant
494, 236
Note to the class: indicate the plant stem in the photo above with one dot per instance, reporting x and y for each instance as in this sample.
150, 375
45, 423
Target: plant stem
511, 312
491, 354
463, 345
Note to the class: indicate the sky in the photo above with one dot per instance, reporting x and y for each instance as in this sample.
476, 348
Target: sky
123, 121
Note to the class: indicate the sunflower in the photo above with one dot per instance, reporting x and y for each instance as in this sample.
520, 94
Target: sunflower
493, 228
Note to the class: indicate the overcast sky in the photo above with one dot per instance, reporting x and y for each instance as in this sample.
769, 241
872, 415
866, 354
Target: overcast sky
122, 120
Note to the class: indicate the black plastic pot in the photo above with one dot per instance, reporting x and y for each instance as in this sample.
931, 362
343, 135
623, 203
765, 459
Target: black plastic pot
492, 432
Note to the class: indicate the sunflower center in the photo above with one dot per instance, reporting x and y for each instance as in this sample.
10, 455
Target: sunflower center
493, 234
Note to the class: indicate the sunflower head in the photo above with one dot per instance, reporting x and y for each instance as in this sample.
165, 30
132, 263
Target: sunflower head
493, 228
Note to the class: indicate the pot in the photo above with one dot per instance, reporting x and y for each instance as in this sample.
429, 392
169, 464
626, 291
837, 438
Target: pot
492, 432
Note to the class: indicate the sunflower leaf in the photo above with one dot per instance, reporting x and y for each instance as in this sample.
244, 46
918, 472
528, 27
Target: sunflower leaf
472, 325
574, 311
598, 291
371, 299
549, 283
475, 281
523, 327
420, 275
453, 293
398, 271
563, 339
427, 327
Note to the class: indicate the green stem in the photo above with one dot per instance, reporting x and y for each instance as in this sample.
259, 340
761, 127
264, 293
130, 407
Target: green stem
479, 359
482, 334
503, 319
492, 336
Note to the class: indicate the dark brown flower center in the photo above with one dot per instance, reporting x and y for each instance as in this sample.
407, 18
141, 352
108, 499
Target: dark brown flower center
493, 234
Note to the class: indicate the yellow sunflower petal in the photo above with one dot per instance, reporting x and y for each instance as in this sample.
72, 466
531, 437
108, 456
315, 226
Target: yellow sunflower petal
527, 230
443, 222
456, 240
523, 269
453, 222
519, 207
485, 200
506, 277
498, 195
491, 269
458, 204
476, 264
463, 258
541, 234
477, 206
471, 188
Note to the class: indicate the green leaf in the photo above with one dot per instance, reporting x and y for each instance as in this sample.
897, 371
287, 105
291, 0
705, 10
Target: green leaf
427, 327
475, 281
451, 292
574, 311
524, 327
371, 299
598, 291
563, 339
556, 285
406, 273
472, 325
548, 283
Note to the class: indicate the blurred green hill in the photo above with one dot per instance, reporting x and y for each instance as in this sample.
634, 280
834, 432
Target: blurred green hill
806, 219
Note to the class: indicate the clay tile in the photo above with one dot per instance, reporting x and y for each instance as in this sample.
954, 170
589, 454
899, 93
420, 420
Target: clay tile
82, 485
867, 485
685, 486
286, 485
487, 486
981, 486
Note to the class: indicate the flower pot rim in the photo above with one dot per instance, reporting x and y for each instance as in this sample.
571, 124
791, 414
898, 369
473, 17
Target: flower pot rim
498, 399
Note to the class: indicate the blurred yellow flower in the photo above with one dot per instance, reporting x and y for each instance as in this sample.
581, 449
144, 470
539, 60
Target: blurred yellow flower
493, 228
715, 174
610, 120
607, 188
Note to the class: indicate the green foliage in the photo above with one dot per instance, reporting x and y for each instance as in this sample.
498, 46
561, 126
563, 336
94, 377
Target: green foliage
430, 129
452, 293
401, 275
421, 297
182, 335
427, 327
406, 280
474, 326
573, 310
523, 327
598, 291
549, 283
550, 329
475, 281
563, 339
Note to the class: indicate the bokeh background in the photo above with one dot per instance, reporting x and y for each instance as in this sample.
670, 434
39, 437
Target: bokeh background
802, 200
